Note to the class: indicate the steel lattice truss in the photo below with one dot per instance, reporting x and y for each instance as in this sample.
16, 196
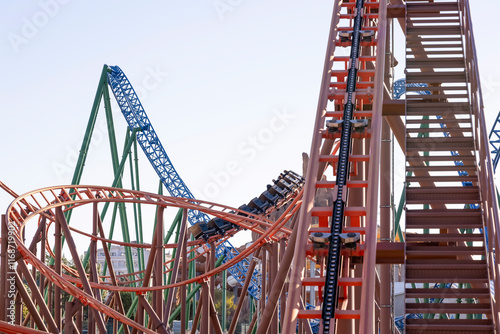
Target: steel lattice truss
400, 85
136, 117
495, 142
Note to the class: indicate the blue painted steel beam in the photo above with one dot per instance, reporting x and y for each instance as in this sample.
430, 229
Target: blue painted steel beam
495, 142
136, 117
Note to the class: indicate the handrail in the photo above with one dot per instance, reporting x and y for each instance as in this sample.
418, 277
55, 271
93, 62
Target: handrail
367, 312
485, 168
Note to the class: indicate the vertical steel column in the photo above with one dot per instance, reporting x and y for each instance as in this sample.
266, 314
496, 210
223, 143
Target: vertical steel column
192, 293
176, 225
42, 255
215, 320
385, 228
223, 315
68, 318
273, 270
244, 291
197, 315
90, 129
205, 307
79, 316
140, 251
183, 288
158, 266
81, 271
192, 273
90, 321
175, 270
19, 309
93, 251
278, 285
367, 320
117, 297
264, 281
58, 270
212, 278
123, 216
139, 316
277, 281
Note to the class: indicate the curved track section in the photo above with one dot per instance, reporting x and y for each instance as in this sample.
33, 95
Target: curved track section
136, 117
46, 207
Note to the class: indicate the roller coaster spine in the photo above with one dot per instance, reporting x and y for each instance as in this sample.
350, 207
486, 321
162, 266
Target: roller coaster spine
330, 292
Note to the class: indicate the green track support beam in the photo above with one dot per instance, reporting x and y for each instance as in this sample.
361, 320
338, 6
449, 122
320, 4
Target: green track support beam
224, 310
139, 209
77, 175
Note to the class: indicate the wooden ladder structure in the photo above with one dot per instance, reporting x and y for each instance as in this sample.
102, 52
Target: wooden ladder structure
445, 244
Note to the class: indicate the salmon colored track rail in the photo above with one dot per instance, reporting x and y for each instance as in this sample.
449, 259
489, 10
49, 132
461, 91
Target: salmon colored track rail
49, 204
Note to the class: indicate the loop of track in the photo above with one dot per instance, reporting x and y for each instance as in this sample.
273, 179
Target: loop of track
42, 202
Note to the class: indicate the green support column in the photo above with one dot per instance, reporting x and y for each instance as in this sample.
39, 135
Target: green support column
174, 253
224, 311
175, 223
116, 183
77, 175
139, 209
118, 171
191, 274
251, 309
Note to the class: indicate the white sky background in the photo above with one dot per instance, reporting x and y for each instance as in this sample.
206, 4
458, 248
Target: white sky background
209, 81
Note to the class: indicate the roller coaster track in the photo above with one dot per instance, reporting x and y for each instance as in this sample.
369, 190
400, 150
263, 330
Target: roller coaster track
49, 204
150, 143
353, 87
330, 254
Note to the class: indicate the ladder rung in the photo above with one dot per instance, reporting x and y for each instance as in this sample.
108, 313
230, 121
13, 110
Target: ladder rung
347, 314
348, 211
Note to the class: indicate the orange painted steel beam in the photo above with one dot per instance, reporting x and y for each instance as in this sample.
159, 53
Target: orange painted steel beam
309, 314
348, 314
348, 211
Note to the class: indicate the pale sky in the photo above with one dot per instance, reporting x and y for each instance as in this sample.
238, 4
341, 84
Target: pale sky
225, 83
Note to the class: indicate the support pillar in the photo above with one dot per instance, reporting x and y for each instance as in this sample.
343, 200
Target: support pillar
385, 228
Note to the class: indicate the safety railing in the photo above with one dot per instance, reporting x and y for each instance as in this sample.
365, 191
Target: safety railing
485, 167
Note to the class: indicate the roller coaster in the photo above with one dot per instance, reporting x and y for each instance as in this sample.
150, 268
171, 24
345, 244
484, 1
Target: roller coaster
328, 248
